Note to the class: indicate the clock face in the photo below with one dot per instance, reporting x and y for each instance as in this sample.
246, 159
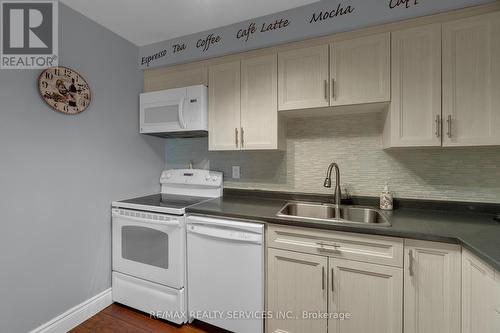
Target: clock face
64, 90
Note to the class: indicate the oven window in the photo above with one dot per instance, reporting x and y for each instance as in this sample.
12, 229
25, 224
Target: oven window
145, 245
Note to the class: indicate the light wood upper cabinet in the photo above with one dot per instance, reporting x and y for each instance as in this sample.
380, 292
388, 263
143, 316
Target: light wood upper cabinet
471, 81
175, 77
303, 78
478, 296
296, 282
242, 110
415, 111
360, 70
352, 72
259, 103
431, 287
470, 66
371, 293
442, 81
224, 106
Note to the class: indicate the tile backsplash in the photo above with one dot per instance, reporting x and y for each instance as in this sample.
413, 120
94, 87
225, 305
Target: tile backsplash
355, 143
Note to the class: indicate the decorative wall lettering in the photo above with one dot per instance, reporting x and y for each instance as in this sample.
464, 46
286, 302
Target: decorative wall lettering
245, 33
252, 28
277, 24
407, 3
209, 40
316, 19
148, 59
178, 47
325, 15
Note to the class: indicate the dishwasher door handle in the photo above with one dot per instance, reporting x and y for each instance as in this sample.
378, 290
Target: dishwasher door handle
225, 233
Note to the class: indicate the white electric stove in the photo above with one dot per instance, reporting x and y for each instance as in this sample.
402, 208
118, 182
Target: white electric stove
149, 243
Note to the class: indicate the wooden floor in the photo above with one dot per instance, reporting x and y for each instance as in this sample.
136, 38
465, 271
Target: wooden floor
118, 318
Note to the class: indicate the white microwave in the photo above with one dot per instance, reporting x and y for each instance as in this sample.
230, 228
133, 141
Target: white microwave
180, 112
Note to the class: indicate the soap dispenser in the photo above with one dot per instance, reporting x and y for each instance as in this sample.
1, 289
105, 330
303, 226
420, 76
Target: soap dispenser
386, 199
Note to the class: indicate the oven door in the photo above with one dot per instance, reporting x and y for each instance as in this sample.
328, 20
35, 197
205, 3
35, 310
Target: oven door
150, 246
163, 111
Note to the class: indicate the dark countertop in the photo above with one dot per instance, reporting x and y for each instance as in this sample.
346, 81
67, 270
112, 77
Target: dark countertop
478, 233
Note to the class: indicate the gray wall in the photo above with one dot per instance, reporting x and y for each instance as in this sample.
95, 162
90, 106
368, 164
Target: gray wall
355, 143
59, 174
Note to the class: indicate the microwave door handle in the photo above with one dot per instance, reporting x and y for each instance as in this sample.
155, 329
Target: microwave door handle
181, 112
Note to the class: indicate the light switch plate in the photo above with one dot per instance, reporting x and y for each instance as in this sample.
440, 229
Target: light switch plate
236, 172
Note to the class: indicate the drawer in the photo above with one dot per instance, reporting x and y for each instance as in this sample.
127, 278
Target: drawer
149, 297
368, 248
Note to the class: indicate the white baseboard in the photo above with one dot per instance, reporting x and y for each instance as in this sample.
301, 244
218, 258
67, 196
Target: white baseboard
77, 315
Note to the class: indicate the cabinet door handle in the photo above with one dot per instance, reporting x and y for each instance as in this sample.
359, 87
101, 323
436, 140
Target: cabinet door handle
333, 88
242, 137
323, 277
449, 126
326, 89
438, 126
410, 262
333, 282
328, 247
236, 137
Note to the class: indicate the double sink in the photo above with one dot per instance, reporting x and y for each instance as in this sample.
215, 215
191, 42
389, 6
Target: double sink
335, 213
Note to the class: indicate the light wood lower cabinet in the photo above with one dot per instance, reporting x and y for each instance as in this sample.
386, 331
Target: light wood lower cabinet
318, 281
371, 294
343, 245
479, 293
352, 296
297, 282
334, 275
431, 287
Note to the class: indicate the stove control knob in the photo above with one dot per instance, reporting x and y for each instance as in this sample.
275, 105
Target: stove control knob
169, 175
207, 177
214, 178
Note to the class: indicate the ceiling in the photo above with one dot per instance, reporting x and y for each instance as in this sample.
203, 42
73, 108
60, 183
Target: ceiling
148, 21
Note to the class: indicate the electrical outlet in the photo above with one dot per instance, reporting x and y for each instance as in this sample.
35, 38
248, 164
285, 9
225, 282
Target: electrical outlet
236, 172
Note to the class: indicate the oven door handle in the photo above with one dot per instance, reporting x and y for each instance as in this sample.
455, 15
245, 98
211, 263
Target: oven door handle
172, 223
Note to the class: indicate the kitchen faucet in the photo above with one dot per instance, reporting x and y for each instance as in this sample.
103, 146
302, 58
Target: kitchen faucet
328, 182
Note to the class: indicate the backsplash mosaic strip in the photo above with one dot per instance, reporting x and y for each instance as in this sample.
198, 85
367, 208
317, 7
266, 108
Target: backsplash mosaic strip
355, 143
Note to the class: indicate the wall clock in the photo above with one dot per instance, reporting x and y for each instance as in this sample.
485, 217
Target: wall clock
64, 90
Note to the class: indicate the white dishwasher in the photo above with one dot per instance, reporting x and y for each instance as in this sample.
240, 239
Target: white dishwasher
225, 273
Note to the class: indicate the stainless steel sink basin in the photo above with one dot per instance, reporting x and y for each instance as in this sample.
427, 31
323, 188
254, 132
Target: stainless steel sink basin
332, 213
